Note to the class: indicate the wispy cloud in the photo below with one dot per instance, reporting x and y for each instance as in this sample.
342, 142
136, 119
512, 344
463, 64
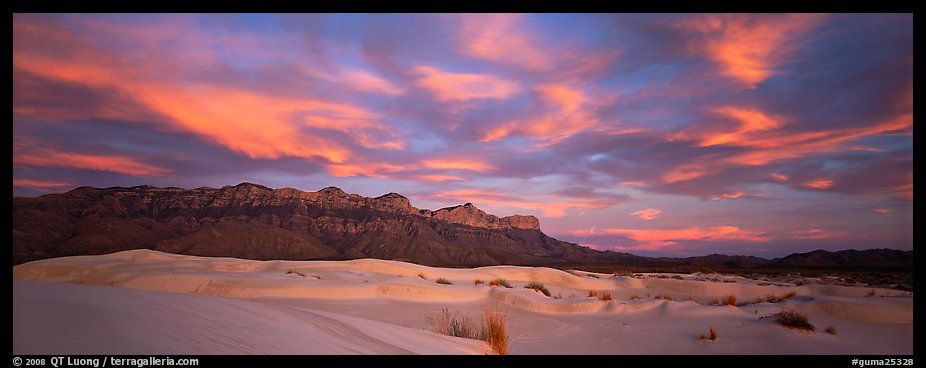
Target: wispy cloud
647, 214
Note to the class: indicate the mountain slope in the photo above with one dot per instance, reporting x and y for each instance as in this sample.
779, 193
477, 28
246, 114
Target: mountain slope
256, 222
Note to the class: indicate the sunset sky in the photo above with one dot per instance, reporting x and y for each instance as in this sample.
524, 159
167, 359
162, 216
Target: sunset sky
672, 135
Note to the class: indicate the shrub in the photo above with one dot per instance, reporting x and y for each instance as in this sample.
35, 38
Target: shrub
496, 332
831, 330
793, 319
601, 295
478, 282
667, 297
730, 300
871, 293
713, 333
539, 287
500, 282
453, 324
422, 276
317, 277
443, 281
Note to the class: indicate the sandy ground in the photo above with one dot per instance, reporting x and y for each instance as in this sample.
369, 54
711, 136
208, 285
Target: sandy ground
141, 301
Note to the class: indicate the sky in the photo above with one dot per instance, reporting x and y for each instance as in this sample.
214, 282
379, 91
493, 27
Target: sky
659, 135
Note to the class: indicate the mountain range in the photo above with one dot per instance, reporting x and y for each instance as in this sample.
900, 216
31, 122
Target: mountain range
255, 222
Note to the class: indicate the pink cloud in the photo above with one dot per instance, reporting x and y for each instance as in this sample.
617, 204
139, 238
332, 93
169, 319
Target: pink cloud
41, 185
438, 178
471, 164
448, 86
254, 124
726, 196
882, 210
647, 214
502, 38
46, 157
659, 238
549, 206
632, 183
571, 113
684, 172
819, 184
779, 177
818, 234
749, 48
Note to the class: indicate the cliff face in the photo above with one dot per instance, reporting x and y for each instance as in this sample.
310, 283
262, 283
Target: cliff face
253, 221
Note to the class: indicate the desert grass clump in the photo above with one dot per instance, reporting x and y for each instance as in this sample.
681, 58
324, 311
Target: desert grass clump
317, 277
500, 282
601, 295
478, 282
290, 272
871, 293
730, 300
422, 276
713, 301
443, 281
831, 330
496, 330
634, 296
539, 287
793, 319
713, 334
453, 324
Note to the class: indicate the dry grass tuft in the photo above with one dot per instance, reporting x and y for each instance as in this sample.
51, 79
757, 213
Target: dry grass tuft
794, 320
714, 301
290, 272
443, 281
453, 324
634, 296
713, 333
871, 293
496, 331
539, 287
422, 276
831, 330
500, 282
601, 295
478, 282
730, 300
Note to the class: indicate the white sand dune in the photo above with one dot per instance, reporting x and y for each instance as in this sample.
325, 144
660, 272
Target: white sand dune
144, 301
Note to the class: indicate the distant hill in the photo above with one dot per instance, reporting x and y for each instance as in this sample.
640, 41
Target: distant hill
255, 222
848, 258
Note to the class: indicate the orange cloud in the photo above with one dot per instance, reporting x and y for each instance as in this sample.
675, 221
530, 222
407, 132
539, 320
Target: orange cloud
882, 210
647, 214
42, 157
568, 118
501, 38
553, 206
374, 170
39, 184
438, 178
449, 86
659, 238
749, 49
779, 177
726, 196
818, 234
819, 184
777, 146
684, 172
256, 125
458, 164
751, 122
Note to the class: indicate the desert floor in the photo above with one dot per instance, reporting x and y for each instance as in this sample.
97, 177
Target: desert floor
147, 302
